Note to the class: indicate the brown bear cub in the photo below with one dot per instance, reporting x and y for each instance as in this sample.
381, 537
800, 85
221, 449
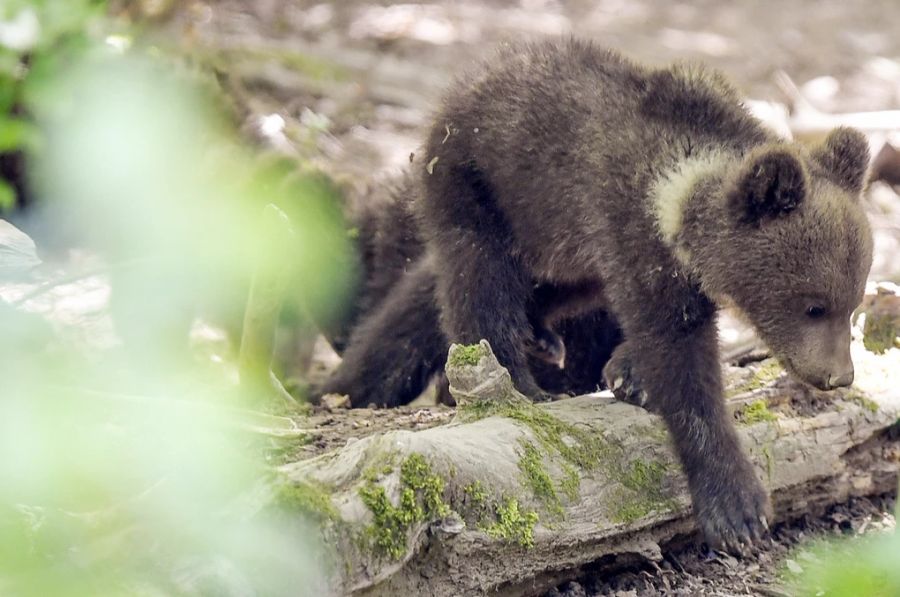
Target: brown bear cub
391, 339
569, 165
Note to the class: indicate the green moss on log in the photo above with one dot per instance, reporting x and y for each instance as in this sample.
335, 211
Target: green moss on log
757, 412
862, 400
643, 488
421, 499
514, 524
644, 491
531, 464
571, 481
466, 355
881, 331
575, 445
768, 372
477, 497
311, 500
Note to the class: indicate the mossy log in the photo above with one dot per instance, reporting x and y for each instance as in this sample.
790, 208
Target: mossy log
512, 497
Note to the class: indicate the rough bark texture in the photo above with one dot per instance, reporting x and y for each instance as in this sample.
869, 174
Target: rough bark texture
603, 480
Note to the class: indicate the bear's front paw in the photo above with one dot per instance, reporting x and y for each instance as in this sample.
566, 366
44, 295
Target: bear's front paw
548, 346
619, 377
733, 511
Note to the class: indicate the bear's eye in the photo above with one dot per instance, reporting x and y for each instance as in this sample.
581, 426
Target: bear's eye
815, 312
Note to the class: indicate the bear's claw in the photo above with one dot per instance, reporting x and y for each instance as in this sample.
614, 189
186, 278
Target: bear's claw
548, 346
620, 378
733, 513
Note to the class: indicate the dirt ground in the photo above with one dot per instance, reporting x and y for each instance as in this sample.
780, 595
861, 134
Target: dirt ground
693, 571
355, 81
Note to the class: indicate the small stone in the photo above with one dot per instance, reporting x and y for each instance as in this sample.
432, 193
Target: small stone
333, 402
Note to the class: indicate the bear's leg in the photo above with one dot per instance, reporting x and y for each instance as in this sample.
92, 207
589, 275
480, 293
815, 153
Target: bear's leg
551, 304
546, 345
483, 293
555, 302
483, 289
442, 390
394, 351
681, 375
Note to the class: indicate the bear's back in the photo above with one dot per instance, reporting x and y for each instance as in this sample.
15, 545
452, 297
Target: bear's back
554, 97
568, 136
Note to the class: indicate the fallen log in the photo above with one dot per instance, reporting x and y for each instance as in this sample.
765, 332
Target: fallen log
511, 498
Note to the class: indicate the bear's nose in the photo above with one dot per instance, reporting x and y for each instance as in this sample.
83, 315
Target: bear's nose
840, 381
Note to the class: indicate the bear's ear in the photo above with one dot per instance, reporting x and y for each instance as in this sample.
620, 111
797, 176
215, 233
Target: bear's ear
771, 182
845, 158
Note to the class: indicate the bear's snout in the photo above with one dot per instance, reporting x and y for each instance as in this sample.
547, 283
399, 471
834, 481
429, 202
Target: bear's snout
838, 375
840, 381
830, 381
826, 363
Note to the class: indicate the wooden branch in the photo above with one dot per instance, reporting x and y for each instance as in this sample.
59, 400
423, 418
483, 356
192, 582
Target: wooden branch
596, 478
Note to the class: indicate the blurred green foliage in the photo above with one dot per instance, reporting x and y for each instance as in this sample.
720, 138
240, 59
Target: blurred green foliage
862, 567
38, 40
131, 471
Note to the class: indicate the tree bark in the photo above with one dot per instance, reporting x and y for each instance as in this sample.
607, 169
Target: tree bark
811, 449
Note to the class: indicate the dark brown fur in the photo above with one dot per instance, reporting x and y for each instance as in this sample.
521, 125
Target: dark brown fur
392, 342
547, 175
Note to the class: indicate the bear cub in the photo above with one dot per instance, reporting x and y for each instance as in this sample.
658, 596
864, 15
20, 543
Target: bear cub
391, 339
565, 164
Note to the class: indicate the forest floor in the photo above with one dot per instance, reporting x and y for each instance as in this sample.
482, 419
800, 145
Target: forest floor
692, 571
355, 82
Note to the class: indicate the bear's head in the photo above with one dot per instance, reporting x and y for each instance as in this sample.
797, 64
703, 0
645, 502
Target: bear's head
793, 248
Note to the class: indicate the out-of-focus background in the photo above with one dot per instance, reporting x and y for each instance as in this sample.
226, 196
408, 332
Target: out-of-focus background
139, 144
375, 68
354, 82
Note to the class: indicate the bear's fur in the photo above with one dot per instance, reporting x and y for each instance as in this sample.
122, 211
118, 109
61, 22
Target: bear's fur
569, 165
391, 341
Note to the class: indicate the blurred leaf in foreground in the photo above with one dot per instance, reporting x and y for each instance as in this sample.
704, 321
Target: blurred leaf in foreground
117, 477
864, 567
